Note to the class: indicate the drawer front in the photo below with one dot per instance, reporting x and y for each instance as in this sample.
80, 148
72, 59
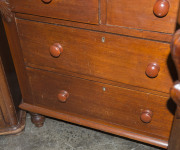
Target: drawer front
99, 101
74, 10
139, 14
116, 58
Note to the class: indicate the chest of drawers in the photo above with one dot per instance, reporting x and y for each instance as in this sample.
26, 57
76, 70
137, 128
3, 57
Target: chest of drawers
102, 64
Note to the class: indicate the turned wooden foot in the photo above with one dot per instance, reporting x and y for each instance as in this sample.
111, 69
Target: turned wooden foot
37, 120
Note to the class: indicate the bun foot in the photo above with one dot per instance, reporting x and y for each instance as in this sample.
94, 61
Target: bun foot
37, 120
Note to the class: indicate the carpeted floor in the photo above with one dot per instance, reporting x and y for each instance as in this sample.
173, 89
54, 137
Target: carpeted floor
58, 135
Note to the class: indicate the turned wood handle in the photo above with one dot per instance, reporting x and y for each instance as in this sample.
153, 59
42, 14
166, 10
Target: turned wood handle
56, 50
161, 8
63, 96
175, 52
146, 116
46, 1
152, 70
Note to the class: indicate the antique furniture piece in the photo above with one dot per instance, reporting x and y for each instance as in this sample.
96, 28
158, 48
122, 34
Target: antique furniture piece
12, 119
104, 64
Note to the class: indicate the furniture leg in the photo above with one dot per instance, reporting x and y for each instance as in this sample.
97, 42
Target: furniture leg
37, 119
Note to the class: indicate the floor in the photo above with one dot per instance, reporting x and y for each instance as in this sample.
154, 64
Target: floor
58, 135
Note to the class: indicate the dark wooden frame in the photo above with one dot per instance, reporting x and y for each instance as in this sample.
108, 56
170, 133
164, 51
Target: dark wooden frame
12, 118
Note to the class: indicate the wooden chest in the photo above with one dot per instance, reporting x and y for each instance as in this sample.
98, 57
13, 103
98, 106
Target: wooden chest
104, 64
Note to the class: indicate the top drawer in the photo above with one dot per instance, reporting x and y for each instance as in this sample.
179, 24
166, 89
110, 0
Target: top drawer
139, 14
74, 10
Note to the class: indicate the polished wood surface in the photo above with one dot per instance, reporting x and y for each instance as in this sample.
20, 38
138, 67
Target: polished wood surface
37, 119
174, 142
63, 96
97, 124
175, 51
102, 79
98, 101
12, 119
119, 30
91, 56
56, 49
76, 10
146, 116
139, 14
161, 8
152, 70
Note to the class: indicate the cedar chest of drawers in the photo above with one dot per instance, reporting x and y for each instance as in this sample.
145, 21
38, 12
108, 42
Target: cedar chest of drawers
104, 64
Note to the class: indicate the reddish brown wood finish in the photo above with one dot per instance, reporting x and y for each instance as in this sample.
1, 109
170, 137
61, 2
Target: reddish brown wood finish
100, 57
12, 119
15, 47
146, 116
76, 10
63, 96
56, 49
161, 8
139, 14
5, 10
85, 53
174, 142
103, 102
152, 70
97, 124
175, 94
37, 119
175, 51
144, 34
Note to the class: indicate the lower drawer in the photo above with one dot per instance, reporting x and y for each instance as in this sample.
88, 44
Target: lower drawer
101, 102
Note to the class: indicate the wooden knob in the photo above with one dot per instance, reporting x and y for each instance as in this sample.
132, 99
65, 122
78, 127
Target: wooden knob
152, 70
63, 96
161, 8
146, 116
46, 1
56, 49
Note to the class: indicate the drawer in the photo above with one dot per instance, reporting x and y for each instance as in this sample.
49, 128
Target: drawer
139, 14
74, 10
97, 101
112, 57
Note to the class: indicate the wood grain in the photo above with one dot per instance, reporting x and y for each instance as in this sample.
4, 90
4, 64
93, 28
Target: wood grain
76, 10
144, 34
11, 117
103, 102
85, 53
174, 142
139, 14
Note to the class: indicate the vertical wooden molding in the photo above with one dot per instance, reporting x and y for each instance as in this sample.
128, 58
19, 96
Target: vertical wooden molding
174, 141
5, 10
175, 52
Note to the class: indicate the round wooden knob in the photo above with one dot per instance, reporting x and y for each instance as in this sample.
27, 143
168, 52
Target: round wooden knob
46, 1
56, 49
152, 70
161, 8
63, 96
146, 116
